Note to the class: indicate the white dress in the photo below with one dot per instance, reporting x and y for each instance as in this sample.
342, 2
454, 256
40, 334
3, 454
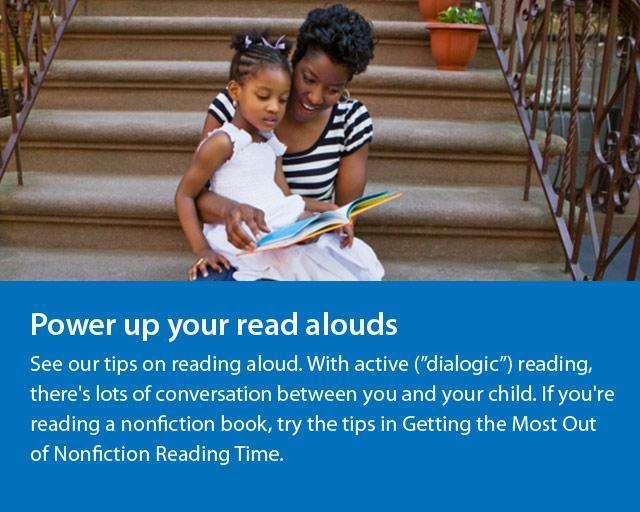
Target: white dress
249, 177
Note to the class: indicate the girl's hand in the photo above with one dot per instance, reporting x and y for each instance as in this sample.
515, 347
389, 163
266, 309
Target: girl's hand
235, 219
305, 215
207, 258
313, 205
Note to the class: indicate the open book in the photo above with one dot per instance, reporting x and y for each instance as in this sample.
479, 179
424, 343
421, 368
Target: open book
321, 222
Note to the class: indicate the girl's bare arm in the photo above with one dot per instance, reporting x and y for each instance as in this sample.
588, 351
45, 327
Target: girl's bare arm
208, 158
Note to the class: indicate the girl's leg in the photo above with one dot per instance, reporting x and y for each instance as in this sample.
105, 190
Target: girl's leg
225, 275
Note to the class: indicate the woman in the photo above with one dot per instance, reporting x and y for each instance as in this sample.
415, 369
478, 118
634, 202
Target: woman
327, 134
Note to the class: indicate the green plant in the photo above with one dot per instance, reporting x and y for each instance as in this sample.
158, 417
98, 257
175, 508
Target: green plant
456, 15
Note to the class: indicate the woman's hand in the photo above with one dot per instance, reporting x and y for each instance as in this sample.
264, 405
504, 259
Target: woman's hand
207, 258
240, 216
305, 215
346, 232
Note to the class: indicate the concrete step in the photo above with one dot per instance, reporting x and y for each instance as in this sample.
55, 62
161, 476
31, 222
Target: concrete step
372, 9
206, 38
45, 264
136, 213
91, 212
447, 270
34, 264
462, 223
388, 91
138, 143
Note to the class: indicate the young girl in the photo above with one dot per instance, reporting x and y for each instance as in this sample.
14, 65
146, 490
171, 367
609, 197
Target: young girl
326, 132
242, 161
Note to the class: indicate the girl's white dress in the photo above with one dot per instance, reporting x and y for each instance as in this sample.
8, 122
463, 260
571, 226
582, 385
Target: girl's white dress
248, 177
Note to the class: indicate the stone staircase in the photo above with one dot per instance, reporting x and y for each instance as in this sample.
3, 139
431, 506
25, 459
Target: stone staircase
121, 112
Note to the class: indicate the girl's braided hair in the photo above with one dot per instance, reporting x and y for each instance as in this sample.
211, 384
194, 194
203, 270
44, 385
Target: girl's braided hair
343, 34
254, 50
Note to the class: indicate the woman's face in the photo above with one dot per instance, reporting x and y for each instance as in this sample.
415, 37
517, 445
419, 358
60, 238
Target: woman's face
318, 84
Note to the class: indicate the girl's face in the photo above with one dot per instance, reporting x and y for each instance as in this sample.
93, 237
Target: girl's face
318, 84
262, 99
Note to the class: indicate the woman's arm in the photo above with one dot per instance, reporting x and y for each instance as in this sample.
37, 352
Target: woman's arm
350, 183
352, 176
210, 124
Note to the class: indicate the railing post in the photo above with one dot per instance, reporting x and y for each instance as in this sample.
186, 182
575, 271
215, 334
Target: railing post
27, 38
6, 30
617, 111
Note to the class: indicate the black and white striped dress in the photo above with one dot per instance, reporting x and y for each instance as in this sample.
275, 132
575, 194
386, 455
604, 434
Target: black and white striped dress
312, 173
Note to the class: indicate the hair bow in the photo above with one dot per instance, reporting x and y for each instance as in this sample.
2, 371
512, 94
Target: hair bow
278, 45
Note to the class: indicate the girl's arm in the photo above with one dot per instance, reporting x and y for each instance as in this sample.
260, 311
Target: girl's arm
211, 207
279, 178
211, 155
216, 208
311, 205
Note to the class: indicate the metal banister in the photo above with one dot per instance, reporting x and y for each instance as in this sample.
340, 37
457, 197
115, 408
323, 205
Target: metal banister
573, 69
22, 31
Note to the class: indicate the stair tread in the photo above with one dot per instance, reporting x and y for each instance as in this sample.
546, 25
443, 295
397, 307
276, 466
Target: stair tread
252, 9
45, 264
100, 197
18, 263
480, 271
209, 26
150, 198
183, 128
419, 80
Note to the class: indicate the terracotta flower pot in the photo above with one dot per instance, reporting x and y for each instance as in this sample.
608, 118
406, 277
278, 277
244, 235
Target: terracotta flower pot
429, 9
453, 45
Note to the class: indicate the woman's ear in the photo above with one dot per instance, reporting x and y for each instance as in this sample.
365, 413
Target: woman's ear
234, 90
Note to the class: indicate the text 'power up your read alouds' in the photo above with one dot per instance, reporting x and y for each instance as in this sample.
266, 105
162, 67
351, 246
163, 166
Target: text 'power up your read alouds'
173, 328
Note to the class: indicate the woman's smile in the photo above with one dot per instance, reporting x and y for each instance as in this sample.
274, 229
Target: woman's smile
309, 107
306, 109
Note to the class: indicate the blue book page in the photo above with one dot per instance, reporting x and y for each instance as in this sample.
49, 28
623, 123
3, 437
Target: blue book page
288, 231
354, 204
319, 222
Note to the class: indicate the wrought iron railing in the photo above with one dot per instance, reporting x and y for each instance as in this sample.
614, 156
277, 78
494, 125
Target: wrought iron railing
27, 51
573, 69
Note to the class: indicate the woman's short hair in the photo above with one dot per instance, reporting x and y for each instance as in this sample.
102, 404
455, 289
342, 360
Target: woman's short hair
341, 33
